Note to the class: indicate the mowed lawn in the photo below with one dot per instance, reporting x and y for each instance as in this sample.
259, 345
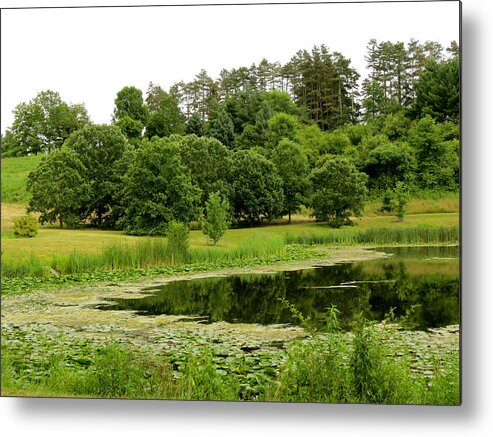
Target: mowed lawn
52, 240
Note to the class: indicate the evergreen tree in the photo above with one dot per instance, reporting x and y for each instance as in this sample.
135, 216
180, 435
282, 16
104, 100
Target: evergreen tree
220, 126
195, 125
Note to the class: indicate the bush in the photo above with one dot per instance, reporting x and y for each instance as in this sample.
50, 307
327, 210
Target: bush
26, 226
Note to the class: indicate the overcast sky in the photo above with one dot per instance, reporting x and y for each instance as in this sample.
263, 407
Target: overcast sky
88, 55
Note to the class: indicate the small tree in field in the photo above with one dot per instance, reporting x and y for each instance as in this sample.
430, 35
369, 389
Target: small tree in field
178, 241
215, 223
401, 199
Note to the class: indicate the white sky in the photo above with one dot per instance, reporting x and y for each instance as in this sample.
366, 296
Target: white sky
88, 55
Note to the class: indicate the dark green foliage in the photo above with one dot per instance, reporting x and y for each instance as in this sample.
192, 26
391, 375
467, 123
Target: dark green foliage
157, 189
388, 164
215, 222
42, 125
59, 187
209, 164
339, 191
243, 107
99, 148
195, 125
326, 85
257, 187
437, 90
292, 166
26, 226
220, 126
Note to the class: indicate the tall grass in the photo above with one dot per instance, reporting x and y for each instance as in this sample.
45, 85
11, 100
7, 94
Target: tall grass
153, 252
421, 234
332, 370
23, 267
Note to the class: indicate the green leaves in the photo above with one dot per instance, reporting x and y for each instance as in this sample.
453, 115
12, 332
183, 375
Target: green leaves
158, 189
215, 223
59, 187
43, 124
339, 191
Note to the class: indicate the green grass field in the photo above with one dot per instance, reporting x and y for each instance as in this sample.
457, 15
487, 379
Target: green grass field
14, 176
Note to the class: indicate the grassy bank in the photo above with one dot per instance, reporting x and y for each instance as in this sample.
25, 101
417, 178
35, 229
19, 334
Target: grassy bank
147, 257
324, 368
14, 177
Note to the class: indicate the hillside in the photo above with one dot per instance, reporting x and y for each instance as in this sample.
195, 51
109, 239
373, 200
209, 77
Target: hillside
14, 176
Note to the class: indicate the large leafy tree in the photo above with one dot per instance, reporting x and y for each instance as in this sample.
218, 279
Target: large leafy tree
43, 124
257, 187
292, 165
338, 191
58, 187
99, 148
129, 101
209, 164
166, 119
158, 189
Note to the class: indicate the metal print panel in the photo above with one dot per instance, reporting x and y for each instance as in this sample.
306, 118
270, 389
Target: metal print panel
246, 202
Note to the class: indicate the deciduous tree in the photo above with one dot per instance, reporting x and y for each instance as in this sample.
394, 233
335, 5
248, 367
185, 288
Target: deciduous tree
338, 191
58, 187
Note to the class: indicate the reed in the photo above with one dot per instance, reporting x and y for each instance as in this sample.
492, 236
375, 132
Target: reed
421, 234
23, 267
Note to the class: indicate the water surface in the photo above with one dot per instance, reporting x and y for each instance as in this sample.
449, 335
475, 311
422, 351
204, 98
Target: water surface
420, 281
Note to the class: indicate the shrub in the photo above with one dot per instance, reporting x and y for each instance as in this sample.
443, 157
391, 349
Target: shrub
26, 226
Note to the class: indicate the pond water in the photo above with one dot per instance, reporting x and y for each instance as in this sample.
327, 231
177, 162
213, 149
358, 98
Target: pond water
420, 281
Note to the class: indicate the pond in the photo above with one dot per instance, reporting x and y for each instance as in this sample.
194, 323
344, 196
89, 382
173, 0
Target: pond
421, 283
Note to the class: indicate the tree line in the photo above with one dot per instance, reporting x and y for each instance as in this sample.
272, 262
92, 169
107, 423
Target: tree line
265, 139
